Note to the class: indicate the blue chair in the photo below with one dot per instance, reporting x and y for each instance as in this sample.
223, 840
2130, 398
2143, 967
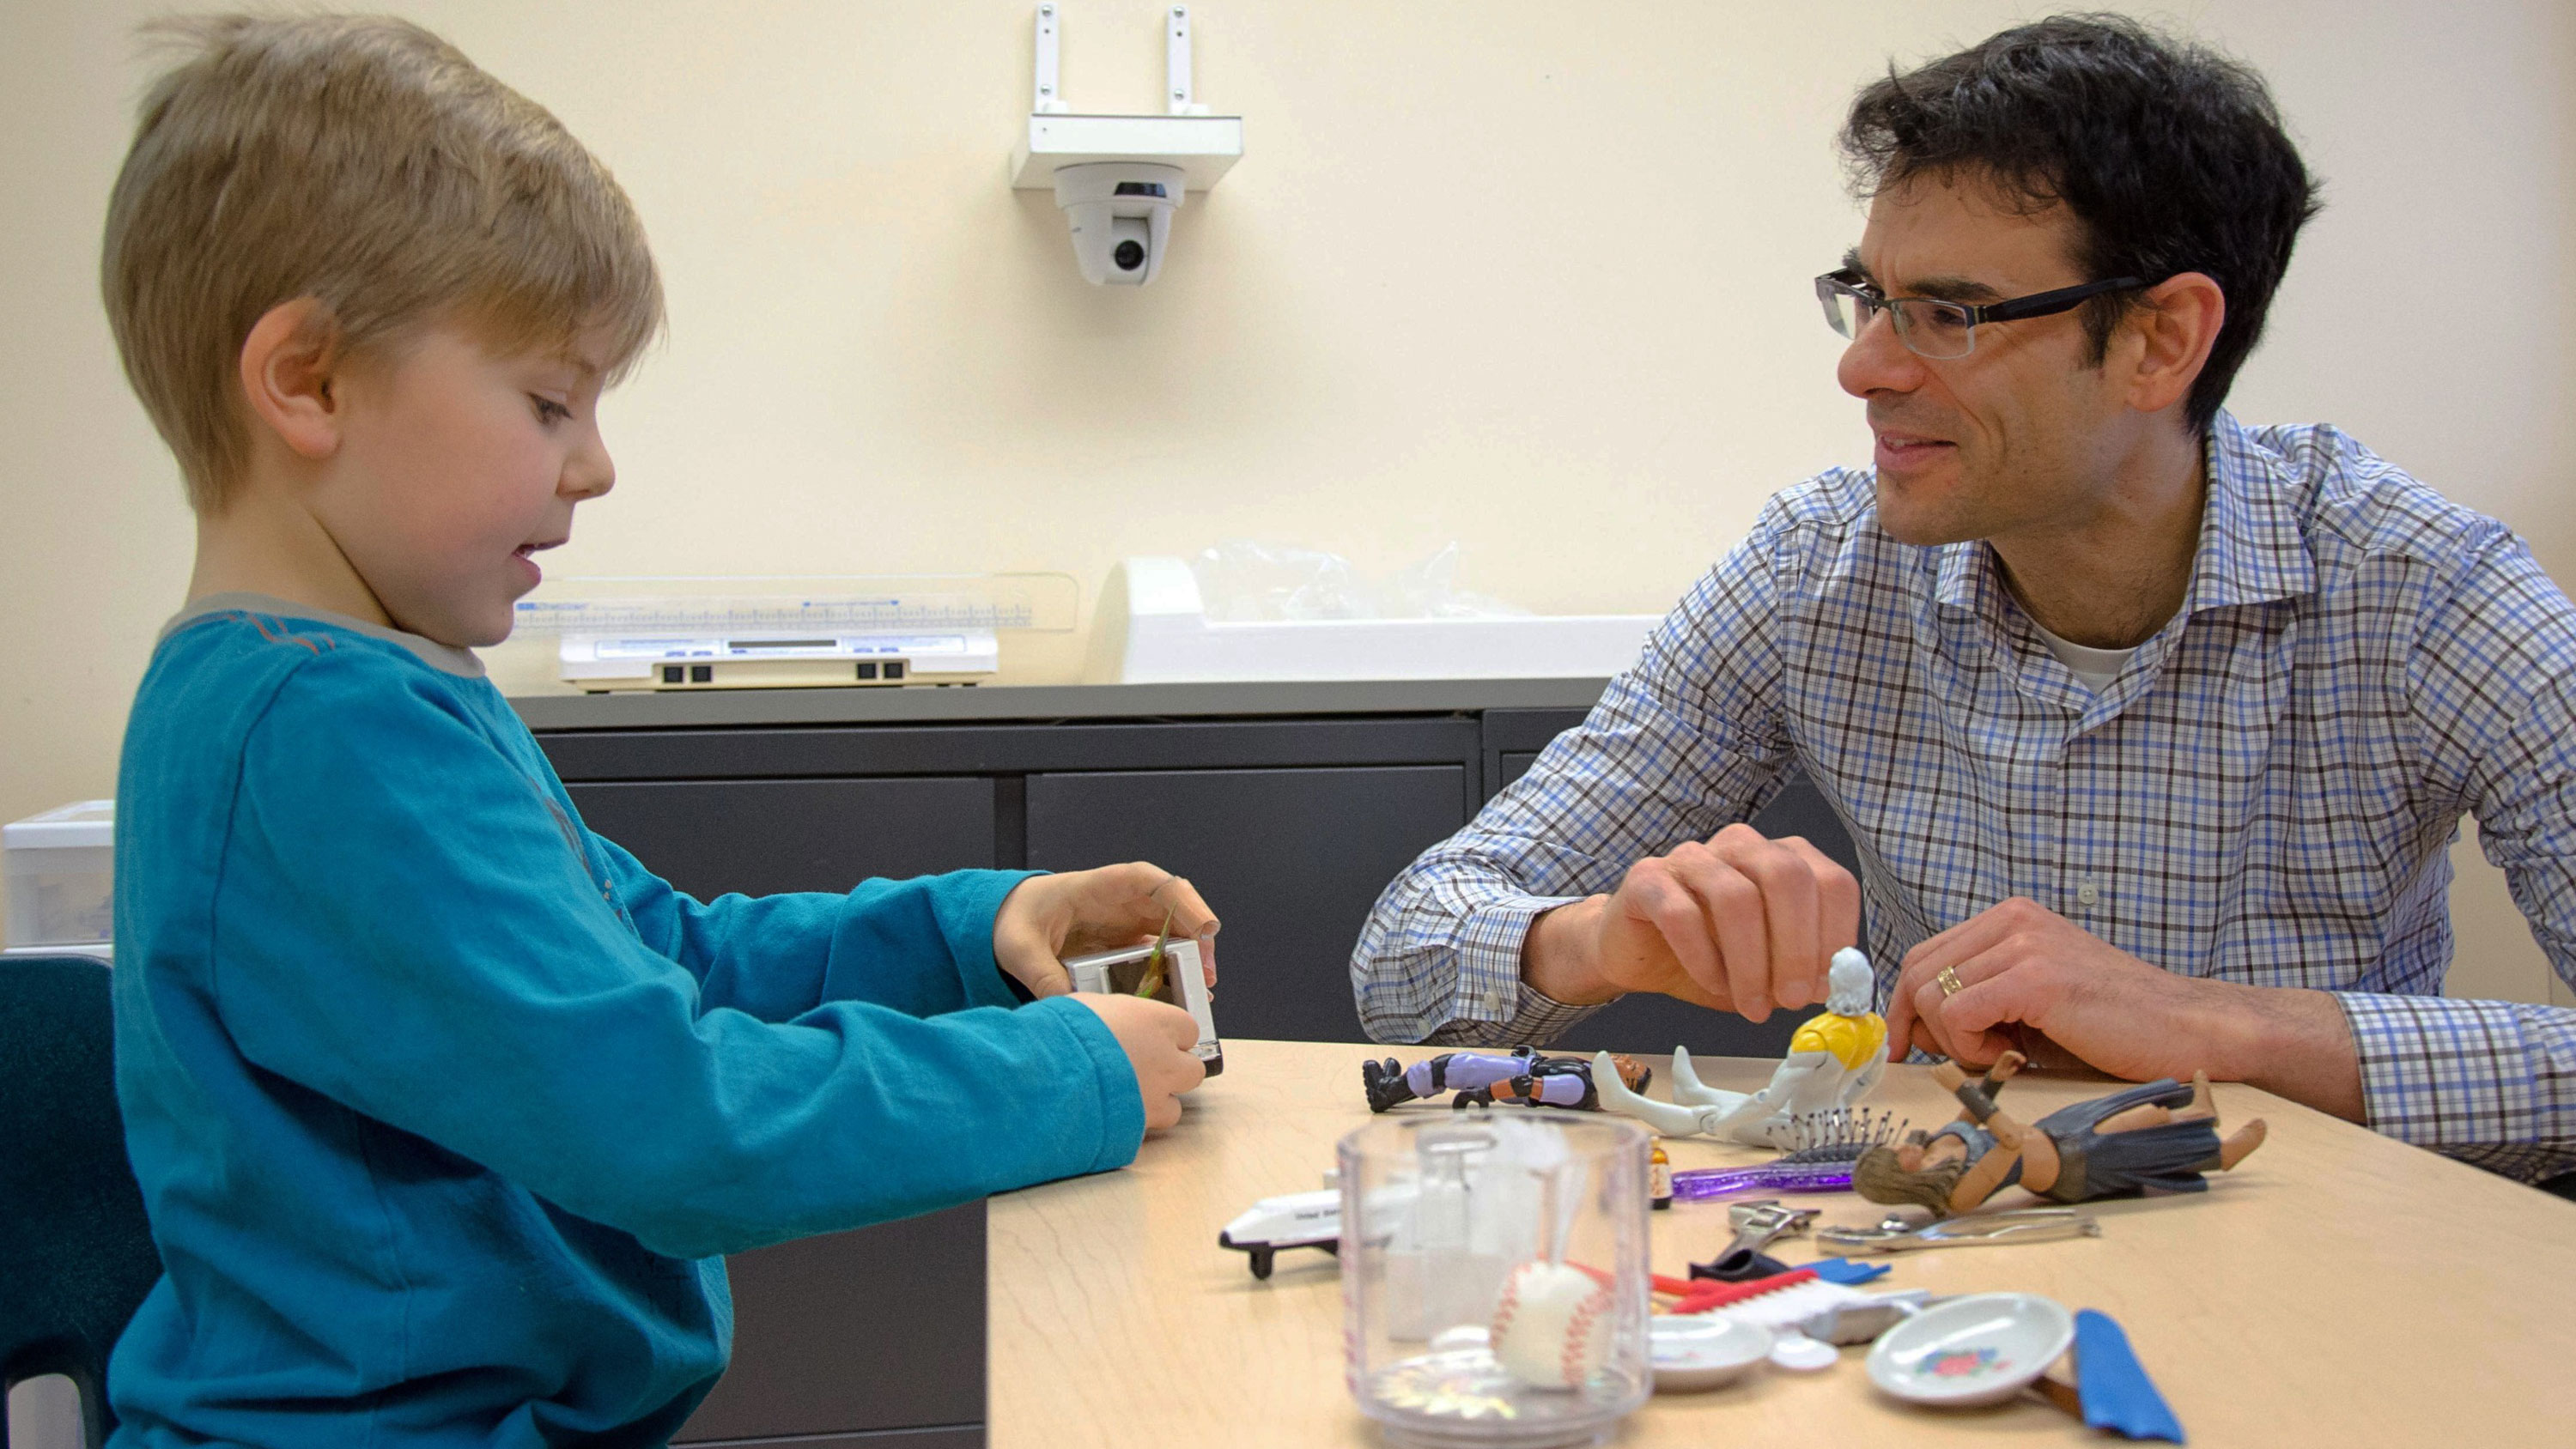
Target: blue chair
77, 1257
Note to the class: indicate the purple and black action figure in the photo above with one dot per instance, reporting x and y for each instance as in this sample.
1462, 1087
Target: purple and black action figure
1521, 1075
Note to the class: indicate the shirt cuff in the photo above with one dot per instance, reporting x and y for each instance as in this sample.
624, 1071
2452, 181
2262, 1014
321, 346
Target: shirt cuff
1121, 1101
966, 914
2492, 1083
1493, 1005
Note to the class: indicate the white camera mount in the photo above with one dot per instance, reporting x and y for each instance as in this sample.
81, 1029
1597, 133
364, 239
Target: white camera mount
1120, 178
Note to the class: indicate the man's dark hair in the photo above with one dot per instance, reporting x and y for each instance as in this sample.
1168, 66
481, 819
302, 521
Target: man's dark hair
2170, 157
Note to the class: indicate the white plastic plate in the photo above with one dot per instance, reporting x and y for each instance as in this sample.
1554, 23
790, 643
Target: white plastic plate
1981, 1349
1694, 1351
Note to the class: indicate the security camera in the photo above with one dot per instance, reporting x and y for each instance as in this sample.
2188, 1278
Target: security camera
1119, 178
1121, 213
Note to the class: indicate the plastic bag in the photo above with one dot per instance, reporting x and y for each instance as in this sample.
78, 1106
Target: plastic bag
1243, 581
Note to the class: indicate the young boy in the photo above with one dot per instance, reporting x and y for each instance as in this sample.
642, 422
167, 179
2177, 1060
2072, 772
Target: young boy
444, 1106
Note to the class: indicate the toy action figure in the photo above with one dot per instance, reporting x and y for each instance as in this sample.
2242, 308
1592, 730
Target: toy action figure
1834, 1060
1521, 1075
2155, 1137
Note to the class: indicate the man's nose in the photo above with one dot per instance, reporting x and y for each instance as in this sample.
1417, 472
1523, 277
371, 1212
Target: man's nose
1878, 361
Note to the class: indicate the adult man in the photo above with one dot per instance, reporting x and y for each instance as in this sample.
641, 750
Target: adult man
2152, 729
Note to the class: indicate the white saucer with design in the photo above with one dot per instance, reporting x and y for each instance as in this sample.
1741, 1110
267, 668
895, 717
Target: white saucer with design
1981, 1349
1694, 1351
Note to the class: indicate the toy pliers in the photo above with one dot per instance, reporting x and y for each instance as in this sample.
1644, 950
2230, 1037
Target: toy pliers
1898, 1235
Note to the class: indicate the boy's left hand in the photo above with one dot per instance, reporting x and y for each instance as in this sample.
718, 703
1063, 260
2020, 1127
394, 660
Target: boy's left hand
1048, 917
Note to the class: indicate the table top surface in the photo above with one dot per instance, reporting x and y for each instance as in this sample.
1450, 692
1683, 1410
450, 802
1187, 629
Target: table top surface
2338, 1287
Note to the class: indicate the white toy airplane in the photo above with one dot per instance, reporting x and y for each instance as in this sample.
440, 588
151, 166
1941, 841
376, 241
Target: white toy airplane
1295, 1220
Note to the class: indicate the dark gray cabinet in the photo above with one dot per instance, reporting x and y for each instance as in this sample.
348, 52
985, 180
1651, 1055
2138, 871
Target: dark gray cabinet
1290, 807
1290, 859
760, 837
878, 1332
814, 1353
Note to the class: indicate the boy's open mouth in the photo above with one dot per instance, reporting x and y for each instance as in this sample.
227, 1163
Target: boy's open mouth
526, 555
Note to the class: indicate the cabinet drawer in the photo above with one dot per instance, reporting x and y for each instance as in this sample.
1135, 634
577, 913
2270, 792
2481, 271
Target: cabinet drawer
1290, 860
760, 837
872, 1330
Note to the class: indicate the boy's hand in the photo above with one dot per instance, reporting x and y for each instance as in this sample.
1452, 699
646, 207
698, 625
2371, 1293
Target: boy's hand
1048, 917
1157, 1038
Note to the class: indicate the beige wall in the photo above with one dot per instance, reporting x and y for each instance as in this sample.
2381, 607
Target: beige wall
1529, 276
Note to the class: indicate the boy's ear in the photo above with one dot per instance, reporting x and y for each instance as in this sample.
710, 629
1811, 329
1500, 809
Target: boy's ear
289, 365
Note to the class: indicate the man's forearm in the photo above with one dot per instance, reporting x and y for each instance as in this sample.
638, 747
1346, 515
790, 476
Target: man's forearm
2289, 1042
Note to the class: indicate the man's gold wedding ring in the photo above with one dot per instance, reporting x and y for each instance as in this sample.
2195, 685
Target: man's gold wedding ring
1950, 983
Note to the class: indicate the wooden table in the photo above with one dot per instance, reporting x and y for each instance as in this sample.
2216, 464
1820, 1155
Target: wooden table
2338, 1288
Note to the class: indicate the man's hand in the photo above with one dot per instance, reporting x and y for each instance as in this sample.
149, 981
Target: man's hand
2021, 965
1742, 923
2023, 968
1157, 1038
1048, 917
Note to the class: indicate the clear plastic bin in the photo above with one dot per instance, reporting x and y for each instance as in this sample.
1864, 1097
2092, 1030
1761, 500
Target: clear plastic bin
61, 871
1494, 1276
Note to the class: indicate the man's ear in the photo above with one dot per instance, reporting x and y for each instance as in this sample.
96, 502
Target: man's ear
289, 365
2177, 322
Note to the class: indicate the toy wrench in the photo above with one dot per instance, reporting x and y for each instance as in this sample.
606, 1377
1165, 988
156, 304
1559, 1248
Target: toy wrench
1897, 1235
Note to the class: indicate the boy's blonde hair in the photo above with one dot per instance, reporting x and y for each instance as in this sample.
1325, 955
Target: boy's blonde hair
364, 162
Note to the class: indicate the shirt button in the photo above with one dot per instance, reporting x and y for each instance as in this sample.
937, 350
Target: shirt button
2088, 894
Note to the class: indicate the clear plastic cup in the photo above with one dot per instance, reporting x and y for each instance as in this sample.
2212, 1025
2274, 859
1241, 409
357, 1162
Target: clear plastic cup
1494, 1275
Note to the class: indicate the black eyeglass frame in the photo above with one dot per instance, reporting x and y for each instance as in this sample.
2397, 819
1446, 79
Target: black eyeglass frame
1846, 282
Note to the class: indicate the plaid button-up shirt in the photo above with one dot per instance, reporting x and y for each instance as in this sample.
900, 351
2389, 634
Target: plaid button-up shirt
2264, 794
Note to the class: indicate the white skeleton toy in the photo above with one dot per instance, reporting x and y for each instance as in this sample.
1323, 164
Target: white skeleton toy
1835, 1060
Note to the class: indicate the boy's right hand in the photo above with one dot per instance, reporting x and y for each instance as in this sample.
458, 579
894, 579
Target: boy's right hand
1157, 1038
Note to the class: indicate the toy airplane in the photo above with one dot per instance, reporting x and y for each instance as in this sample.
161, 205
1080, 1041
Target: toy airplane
1276, 1224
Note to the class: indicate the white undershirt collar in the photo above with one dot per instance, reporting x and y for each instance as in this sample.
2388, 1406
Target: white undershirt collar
2096, 667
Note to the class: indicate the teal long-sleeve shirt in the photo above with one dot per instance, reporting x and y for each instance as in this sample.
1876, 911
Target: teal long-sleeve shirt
443, 1106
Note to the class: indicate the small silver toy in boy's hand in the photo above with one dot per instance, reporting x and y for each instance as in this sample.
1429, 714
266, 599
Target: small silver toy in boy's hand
1177, 977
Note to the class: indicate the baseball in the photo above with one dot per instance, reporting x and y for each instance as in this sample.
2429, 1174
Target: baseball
1552, 1326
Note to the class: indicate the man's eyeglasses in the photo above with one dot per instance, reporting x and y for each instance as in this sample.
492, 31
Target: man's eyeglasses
1942, 330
